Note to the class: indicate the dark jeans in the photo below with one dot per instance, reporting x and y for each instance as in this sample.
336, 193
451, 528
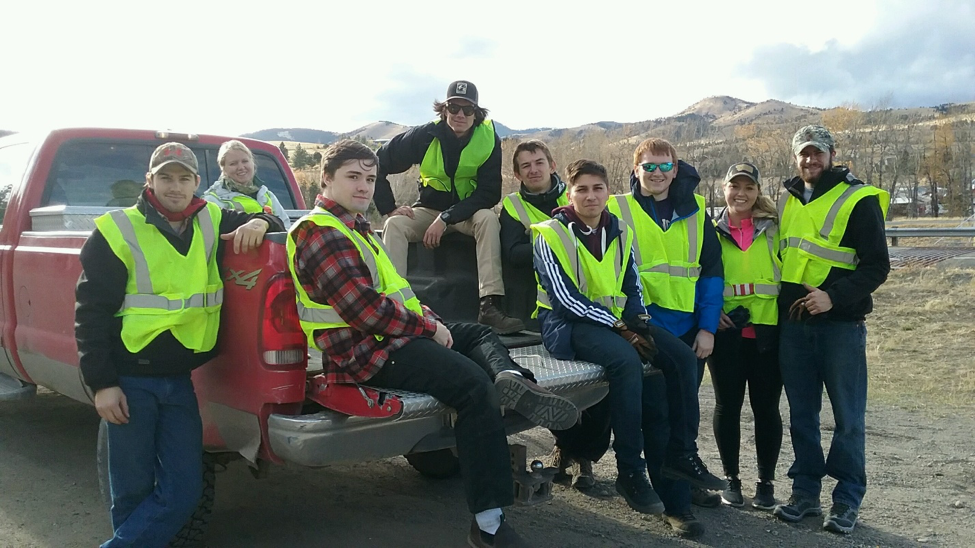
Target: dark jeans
155, 462
694, 421
675, 494
462, 377
590, 438
736, 362
813, 354
621, 410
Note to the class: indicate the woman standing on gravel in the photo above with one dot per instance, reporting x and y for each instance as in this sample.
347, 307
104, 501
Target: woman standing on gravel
746, 345
239, 187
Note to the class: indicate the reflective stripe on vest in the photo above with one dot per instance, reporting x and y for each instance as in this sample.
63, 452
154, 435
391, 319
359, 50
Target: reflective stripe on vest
166, 290
752, 277
626, 213
812, 232
569, 244
146, 298
316, 316
526, 213
433, 173
669, 261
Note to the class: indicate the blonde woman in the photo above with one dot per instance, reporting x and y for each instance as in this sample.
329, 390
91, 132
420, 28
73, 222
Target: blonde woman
239, 187
746, 345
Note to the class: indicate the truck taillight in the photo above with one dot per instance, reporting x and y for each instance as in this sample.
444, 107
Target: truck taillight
282, 343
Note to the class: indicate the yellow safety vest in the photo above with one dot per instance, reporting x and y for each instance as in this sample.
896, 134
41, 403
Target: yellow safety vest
810, 234
527, 214
477, 151
752, 277
167, 291
599, 281
245, 203
315, 316
669, 260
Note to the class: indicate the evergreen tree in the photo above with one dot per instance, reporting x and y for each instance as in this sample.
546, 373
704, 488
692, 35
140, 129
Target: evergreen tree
300, 158
284, 149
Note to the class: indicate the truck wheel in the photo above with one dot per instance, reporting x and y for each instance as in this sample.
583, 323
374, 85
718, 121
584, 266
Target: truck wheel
440, 464
195, 529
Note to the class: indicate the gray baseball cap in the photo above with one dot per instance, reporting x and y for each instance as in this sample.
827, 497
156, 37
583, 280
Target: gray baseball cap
170, 153
817, 136
462, 89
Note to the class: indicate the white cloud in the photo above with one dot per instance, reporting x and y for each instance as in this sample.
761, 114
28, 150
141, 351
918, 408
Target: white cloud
237, 67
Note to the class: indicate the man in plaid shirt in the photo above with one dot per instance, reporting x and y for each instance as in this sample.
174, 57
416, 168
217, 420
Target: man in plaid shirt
371, 328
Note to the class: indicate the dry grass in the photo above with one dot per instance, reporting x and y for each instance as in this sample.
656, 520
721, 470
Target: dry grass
920, 343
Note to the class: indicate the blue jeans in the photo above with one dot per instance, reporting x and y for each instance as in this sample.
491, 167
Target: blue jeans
831, 353
694, 412
155, 462
624, 371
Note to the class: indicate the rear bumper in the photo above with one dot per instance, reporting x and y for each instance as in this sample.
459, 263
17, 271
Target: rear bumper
328, 437
424, 424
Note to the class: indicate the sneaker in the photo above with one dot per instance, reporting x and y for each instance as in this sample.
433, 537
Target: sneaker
635, 489
764, 498
505, 537
535, 403
732, 495
582, 477
692, 469
842, 518
797, 508
491, 315
685, 525
704, 498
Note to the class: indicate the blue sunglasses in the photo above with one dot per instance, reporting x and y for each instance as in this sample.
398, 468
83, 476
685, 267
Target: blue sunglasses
664, 168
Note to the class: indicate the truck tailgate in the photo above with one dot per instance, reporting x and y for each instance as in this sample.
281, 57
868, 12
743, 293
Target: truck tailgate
424, 424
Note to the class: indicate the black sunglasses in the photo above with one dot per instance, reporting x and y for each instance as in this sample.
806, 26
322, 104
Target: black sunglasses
454, 108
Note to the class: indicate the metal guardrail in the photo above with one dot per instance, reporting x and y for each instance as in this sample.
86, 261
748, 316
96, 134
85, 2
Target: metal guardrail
895, 232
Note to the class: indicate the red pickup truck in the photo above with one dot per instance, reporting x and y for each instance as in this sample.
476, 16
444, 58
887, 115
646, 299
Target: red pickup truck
262, 398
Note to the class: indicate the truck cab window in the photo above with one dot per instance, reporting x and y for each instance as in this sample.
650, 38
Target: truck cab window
268, 171
13, 163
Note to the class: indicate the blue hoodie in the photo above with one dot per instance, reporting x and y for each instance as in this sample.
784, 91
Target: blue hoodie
708, 297
568, 304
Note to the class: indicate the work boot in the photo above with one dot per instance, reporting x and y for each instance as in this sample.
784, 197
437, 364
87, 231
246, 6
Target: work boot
562, 462
538, 405
692, 469
582, 477
635, 489
684, 524
492, 316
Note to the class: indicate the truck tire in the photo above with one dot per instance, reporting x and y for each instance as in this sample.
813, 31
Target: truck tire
194, 531
440, 464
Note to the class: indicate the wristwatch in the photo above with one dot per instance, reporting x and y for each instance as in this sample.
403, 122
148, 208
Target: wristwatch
445, 217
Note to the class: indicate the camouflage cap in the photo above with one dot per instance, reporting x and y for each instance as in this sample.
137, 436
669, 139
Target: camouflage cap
744, 169
817, 136
173, 153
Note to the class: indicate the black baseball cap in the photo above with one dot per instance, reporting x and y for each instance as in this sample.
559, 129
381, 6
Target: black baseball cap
462, 89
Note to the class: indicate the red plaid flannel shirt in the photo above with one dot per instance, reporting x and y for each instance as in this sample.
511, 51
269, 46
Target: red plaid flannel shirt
332, 272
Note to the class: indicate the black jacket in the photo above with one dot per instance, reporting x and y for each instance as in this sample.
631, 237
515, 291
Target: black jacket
99, 295
849, 290
516, 242
408, 148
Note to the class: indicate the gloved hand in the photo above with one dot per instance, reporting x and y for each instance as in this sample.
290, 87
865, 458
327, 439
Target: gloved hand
643, 344
740, 316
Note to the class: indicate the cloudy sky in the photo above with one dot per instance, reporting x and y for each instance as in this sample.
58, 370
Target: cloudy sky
233, 67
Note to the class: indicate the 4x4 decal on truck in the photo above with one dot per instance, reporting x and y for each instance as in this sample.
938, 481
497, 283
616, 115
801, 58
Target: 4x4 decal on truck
248, 280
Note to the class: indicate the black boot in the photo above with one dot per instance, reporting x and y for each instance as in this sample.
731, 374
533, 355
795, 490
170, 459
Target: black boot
492, 316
